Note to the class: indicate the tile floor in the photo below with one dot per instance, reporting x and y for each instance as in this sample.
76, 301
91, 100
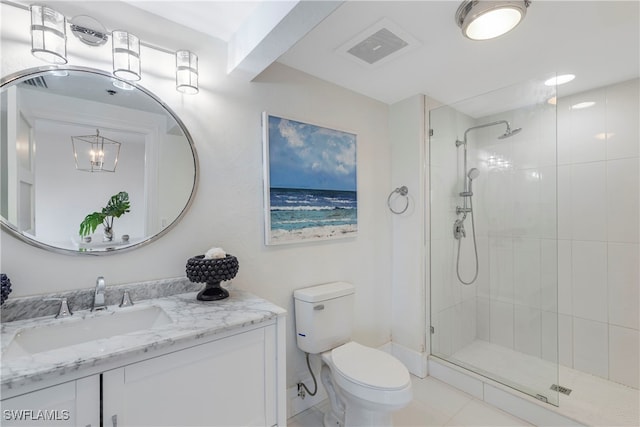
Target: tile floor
434, 404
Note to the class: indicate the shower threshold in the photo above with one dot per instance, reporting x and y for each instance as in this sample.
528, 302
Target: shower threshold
592, 401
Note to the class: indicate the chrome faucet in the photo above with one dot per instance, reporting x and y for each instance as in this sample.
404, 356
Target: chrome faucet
98, 296
63, 310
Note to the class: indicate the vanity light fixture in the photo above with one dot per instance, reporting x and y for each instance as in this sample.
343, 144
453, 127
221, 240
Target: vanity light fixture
126, 55
48, 34
49, 43
95, 153
186, 72
488, 19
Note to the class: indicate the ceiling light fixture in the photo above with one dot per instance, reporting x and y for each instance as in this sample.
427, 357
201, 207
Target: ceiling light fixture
488, 19
559, 80
95, 153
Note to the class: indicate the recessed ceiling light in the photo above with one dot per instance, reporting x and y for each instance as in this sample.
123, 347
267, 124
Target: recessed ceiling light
485, 19
582, 105
559, 80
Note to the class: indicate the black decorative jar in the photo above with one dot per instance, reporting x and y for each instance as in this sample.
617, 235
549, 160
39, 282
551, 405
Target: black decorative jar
212, 271
6, 288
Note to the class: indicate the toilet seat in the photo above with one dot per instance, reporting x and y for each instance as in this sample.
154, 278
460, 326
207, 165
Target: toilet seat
369, 367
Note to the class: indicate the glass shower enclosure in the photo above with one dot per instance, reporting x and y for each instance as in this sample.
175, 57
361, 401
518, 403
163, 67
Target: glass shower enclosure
493, 254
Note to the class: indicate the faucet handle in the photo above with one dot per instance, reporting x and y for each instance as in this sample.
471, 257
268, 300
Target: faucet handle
64, 310
126, 300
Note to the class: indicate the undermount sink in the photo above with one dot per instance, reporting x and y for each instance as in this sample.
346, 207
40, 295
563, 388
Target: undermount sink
74, 330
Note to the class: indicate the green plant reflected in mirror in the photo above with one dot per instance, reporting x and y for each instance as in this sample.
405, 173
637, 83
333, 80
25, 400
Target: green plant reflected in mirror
44, 196
117, 206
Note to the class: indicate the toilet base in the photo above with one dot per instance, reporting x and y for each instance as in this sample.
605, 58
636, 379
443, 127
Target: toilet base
347, 410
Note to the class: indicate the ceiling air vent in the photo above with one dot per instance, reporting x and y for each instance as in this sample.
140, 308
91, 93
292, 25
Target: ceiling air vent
378, 44
37, 82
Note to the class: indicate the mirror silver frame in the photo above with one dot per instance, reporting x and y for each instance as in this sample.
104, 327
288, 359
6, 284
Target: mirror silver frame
14, 232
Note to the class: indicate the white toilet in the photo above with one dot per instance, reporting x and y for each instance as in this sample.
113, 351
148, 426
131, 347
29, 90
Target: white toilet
364, 385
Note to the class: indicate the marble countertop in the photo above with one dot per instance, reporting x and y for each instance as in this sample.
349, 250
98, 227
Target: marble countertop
193, 322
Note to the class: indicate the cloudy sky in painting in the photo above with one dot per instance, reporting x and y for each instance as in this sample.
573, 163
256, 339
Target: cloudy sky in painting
308, 156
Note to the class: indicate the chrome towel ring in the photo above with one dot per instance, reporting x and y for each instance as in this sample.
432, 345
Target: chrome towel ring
403, 191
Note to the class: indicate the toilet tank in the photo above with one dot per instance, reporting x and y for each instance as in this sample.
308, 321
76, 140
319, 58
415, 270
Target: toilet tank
324, 316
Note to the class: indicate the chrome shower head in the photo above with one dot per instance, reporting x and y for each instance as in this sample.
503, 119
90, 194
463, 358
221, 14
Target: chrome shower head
473, 173
509, 132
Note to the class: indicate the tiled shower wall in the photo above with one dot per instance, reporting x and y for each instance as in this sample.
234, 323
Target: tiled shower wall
598, 235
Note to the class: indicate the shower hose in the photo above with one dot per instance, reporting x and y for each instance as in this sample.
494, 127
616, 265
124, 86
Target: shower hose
475, 248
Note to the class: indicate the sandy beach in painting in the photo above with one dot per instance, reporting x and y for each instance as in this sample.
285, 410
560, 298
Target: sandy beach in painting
314, 233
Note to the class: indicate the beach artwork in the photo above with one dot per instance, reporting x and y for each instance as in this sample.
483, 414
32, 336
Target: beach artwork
310, 182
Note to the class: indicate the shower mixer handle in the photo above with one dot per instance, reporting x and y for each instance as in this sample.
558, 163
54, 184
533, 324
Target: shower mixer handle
458, 229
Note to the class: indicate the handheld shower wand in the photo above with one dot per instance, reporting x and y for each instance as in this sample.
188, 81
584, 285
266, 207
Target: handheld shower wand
473, 174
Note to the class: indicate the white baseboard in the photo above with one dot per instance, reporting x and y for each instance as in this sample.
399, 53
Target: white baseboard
415, 361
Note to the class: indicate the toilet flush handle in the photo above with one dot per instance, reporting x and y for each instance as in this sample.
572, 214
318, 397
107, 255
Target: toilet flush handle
318, 307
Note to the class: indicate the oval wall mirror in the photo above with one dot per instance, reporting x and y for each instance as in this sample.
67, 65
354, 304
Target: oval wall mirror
62, 133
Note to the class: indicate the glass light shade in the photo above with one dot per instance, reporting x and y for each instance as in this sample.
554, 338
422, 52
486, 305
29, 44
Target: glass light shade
186, 72
48, 34
126, 55
493, 24
95, 153
488, 19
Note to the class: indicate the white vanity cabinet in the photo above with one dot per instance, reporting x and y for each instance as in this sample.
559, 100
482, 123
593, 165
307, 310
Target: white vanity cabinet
228, 382
232, 378
68, 404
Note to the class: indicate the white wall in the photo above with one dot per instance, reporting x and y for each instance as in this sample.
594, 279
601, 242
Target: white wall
224, 120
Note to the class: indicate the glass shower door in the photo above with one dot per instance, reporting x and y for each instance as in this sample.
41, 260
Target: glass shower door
493, 229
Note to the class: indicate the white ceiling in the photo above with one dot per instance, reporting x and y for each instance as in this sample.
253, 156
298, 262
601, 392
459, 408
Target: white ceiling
598, 41
219, 19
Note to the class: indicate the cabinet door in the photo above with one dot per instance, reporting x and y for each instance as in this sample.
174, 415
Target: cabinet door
227, 382
75, 403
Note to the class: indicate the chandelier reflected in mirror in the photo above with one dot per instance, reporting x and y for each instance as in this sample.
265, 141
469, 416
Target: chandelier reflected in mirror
95, 153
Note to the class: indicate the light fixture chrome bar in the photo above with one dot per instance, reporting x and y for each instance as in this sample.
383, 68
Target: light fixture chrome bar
89, 32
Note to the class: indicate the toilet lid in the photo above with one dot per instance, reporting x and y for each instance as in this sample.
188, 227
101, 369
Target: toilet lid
370, 367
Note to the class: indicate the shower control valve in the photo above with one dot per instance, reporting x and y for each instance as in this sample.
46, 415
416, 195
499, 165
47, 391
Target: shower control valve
458, 229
